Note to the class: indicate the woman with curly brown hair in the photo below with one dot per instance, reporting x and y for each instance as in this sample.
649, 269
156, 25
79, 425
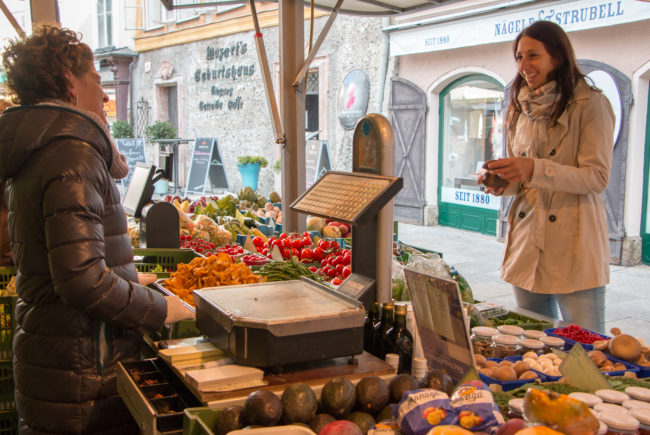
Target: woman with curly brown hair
80, 308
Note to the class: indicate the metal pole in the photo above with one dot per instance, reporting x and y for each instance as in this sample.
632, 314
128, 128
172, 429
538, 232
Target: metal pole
292, 108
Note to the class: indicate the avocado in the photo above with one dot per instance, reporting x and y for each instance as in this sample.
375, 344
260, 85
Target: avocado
262, 408
338, 397
385, 414
228, 420
400, 384
299, 404
438, 380
362, 419
372, 394
320, 421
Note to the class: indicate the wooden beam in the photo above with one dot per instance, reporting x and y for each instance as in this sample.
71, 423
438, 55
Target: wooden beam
12, 20
45, 12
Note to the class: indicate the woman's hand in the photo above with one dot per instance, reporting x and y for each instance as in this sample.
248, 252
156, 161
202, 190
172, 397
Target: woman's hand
512, 169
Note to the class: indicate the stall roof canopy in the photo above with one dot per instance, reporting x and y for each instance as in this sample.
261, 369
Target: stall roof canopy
353, 7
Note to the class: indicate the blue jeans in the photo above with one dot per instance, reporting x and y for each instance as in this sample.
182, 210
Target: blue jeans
585, 308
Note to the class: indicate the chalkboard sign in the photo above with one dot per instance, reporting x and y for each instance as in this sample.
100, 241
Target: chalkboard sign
317, 161
206, 160
133, 150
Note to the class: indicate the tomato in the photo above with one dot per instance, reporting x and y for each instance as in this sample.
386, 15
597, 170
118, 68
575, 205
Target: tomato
337, 281
324, 244
323, 262
318, 254
306, 241
283, 235
339, 268
286, 253
313, 269
286, 243
297, 243
257, 241
295, 252
335, 245
347, 270
331, 272
306, 254
306, 234
327, 270
277, 243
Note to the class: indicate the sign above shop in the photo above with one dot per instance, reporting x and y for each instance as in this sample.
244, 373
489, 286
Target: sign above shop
353, 99
505, 24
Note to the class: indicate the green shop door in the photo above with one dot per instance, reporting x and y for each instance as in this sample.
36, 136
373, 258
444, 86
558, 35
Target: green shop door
645, 214
471, 122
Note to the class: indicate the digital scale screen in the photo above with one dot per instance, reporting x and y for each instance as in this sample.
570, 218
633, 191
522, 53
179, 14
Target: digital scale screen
346, 196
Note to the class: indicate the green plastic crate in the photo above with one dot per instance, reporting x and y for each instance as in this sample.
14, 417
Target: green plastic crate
7, 398
8, 423
147, 259
199, 421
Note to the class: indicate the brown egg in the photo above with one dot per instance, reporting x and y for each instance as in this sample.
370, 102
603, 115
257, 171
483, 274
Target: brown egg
520, 367
528, 375
504, 373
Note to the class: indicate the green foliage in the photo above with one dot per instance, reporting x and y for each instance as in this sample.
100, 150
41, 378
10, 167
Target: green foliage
277, 167
121, 129
243, 160
160, 130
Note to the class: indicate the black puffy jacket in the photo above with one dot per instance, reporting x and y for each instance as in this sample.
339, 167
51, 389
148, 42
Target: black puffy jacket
80, 309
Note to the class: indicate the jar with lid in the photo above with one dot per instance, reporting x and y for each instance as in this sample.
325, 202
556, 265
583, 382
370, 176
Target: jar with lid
505, 345
534, 334
619, 423
510, 330
589, 399
552, 343
610, 407
638, 393
644, 420
532, 345
515, 408
636, 404
612, 396
482, 340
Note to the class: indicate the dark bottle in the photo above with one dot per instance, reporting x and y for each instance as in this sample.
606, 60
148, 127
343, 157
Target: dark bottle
384, 325
369, 328
398, 340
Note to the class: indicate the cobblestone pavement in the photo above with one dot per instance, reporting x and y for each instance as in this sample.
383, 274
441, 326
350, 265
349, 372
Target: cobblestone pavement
477, 257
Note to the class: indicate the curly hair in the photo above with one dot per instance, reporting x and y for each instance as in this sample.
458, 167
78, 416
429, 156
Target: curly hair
36, 67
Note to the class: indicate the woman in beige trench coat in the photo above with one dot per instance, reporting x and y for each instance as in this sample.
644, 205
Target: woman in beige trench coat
560, 142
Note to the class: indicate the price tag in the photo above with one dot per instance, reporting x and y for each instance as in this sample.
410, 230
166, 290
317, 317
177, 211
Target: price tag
248, 244
276, 254
580, 371
239, 216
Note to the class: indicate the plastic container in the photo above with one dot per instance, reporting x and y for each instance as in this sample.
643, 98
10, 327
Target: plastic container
590, 400
510, 330
570, 342
392, 359
516, 408
612, 396
505, 345
619, 423
482, 340
644, 420
534, 334
551, 343
149, 259
633, 404
638, 393
532, 345
610, 407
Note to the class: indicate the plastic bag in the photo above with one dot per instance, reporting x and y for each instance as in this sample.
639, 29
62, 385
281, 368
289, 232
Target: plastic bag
474, 404
421, 410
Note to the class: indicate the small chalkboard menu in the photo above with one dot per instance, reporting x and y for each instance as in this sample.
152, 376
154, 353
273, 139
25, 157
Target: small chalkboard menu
317, 160
206, 160
133, 150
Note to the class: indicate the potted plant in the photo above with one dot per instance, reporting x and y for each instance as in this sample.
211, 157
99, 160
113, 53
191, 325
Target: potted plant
249, 168
121, 130
160, 130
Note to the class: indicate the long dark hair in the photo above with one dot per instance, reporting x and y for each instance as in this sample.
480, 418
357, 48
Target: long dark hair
566, 74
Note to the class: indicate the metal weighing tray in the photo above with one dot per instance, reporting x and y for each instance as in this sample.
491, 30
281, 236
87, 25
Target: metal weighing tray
279, 323
155, 397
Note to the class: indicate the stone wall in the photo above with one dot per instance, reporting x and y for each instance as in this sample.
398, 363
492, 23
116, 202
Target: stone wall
221, 92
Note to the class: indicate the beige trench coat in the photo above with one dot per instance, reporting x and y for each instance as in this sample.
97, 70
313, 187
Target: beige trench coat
558, 241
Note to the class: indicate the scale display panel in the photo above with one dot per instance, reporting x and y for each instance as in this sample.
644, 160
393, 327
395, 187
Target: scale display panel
347, 196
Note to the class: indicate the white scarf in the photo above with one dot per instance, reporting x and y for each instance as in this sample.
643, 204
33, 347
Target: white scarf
119, 168
536, 112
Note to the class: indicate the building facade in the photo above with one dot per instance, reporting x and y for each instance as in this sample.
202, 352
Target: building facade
456, 61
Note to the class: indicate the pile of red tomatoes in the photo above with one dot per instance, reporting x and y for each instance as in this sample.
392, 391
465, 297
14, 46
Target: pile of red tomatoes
326, 258
199, 245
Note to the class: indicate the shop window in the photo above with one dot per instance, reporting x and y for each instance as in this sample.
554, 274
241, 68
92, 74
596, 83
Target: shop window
184, 14
311, 103
156, 14
471, 121
105, 23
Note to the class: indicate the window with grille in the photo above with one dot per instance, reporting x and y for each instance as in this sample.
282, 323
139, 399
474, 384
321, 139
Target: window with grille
104, 23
